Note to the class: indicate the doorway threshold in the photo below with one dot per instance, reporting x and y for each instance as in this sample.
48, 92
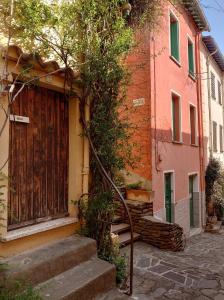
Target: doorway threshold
195, 231
37, 228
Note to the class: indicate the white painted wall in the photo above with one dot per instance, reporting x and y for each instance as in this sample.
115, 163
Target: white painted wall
216, 108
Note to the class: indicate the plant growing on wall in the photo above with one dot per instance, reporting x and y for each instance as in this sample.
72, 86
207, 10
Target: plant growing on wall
214, 185
92, 37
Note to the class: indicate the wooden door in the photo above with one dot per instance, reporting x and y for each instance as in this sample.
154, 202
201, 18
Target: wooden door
191, 198
168, 197
38, 162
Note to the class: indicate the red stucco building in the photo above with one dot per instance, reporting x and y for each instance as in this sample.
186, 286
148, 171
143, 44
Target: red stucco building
166, 93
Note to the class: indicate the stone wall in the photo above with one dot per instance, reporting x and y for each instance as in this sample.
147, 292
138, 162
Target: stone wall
165, 236
137, 210
153, 231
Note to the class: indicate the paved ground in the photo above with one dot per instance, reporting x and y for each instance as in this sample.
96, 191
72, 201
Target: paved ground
194, 274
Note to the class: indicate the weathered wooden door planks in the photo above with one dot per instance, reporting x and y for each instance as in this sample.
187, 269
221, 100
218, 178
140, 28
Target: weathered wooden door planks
38, 158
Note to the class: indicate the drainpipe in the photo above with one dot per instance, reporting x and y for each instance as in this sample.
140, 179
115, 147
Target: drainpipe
200, 122
209, 103
85, 171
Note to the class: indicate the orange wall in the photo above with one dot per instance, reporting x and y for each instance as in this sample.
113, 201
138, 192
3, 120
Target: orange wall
159, 76
169, 76
139, 88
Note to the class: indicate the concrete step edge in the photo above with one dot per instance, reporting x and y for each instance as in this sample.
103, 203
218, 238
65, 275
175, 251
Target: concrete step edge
85, 281
48, 261
119, 228
125, 238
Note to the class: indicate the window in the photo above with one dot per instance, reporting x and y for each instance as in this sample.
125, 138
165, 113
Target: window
176, 118
221, 137
214, 136
220, 92
174, 37
213, 85
193, 124
190, 58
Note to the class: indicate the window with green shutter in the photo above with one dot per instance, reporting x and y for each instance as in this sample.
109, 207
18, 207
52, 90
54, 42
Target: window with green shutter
190, 58
174, 37
176, 118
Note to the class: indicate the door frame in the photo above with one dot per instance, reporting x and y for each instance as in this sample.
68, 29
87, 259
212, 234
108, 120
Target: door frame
195, 190
173, 196
37, 220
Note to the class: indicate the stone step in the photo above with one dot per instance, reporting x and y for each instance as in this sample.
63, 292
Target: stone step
125, 238
119, 228
83, 282
48, 261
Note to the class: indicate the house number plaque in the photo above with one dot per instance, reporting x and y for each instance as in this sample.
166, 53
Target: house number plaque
138, 102
20, 119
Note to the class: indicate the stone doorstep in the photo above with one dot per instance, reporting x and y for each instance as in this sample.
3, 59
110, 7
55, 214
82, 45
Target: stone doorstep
85, 281
37, 228
42, 263
195, 231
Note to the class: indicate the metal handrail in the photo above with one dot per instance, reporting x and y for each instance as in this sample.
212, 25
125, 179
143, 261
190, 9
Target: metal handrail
121, 198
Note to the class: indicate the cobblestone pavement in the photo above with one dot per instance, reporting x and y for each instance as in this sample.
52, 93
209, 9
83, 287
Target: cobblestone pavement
196, 273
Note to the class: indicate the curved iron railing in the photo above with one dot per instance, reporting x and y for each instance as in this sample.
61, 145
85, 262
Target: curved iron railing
121, 198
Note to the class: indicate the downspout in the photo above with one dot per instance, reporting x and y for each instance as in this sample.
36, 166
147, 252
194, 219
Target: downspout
85, 171
155, 106
209, 103
200, 122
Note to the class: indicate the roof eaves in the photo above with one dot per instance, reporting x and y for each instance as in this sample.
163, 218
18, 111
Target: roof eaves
214, 49
197, 13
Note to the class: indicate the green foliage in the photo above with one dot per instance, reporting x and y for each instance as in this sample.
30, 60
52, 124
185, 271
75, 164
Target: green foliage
215, 185
212, 174
94, 38
121, 265
135, 186
17, 290
120, 261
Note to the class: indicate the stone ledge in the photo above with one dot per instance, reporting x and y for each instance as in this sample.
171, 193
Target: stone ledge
38, 228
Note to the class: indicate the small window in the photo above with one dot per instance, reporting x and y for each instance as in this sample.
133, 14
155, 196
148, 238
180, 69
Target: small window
220, 92
214, 136
221, 137
213, 85
174, 37
190, 58
176, 117
193, 124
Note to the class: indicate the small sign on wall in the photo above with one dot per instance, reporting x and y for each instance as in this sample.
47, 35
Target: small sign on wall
138, 102
20, 119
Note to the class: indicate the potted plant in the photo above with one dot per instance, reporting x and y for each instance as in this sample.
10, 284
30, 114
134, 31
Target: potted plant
136, 192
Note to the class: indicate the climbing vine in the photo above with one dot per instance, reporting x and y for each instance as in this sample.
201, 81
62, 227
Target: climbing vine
93, 38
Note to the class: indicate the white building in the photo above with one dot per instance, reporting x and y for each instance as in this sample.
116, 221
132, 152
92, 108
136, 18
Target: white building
212, 68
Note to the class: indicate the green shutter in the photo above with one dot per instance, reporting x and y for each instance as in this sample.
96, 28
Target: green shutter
174, 38
173, 120
191, 58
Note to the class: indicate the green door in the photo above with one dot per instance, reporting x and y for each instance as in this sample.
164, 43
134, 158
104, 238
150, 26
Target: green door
168, 197
191, 194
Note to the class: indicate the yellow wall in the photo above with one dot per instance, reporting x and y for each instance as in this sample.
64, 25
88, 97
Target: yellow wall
30, 242
78, 161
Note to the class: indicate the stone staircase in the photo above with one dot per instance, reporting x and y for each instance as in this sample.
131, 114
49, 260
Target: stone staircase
68, 270
123, 232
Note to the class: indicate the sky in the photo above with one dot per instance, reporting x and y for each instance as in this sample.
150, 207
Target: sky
214, 10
